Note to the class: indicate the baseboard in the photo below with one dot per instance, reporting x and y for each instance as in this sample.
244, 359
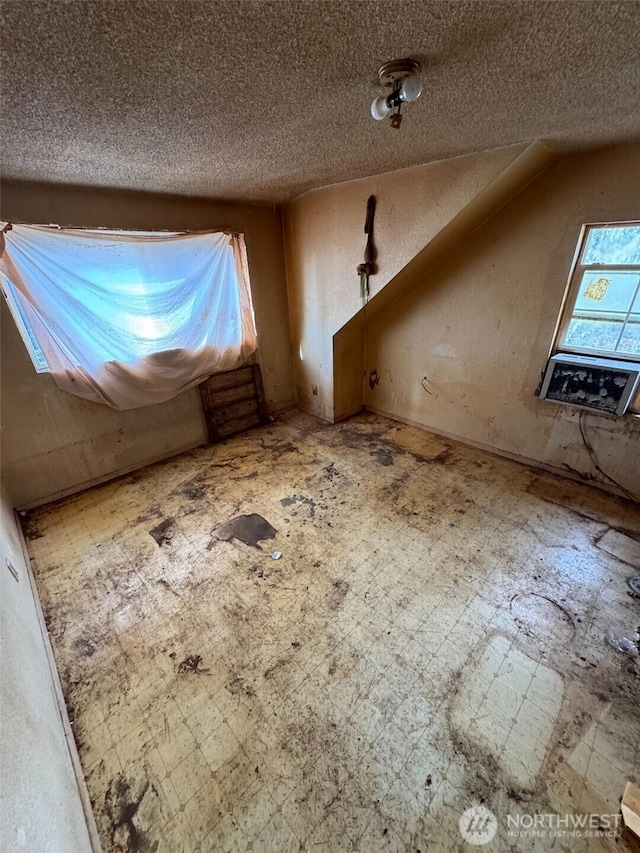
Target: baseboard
309, 411
505, 454
349, 414
92, 829
106, 478
278, 408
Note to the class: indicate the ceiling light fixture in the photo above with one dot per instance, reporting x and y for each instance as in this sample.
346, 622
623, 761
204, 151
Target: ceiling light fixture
403, 76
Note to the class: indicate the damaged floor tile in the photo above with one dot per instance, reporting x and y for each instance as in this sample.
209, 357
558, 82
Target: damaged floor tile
430, 639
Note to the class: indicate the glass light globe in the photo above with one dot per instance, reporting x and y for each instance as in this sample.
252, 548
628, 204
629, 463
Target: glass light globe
411, 88
379, 108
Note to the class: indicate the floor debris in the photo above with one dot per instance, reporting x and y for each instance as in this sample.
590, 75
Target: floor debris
634, 585
192, 664
250, 529
163, 532
624, 644
380, 677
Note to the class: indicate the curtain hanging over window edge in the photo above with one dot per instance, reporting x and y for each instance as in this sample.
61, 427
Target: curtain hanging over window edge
154, 378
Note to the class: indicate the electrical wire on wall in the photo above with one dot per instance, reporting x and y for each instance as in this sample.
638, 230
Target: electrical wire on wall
594, 460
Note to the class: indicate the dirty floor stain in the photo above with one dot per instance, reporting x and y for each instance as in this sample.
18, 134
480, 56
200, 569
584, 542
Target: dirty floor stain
250, 529
432, 637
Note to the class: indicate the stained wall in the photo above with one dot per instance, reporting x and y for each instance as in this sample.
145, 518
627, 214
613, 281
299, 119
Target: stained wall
325, 240
480, 324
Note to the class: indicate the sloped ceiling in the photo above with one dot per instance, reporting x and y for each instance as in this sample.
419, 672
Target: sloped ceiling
261, 101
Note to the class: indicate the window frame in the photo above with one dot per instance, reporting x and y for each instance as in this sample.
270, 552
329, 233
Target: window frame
576, 273
27, 334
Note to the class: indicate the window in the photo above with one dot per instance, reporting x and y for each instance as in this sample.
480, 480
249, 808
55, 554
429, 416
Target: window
599, 327
602, 313
129, 319
12, 298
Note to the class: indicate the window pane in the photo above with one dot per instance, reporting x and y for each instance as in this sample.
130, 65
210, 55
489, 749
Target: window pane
613, 244
606, 292
593, 334
630, 341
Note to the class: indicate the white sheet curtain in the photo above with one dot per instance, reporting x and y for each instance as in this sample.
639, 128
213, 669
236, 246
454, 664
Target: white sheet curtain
131, 319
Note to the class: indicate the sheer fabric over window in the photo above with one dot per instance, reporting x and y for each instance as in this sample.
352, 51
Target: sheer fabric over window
132, 319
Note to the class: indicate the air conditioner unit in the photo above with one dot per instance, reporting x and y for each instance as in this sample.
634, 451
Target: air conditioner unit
599, 384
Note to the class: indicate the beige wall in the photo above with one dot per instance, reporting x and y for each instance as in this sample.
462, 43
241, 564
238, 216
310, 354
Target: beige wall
53, 443
324, 240
41, 806
479, 325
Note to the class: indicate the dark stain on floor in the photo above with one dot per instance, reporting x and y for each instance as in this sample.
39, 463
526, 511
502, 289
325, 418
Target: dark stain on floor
192, 664
250, 529
163, 532
612, 682
165, 583
337, 594
150, 514
194, 493
29, 526
122, 809
535, 613
84, 647
383, 455
250, 476
442, 458
278, 448
301, 499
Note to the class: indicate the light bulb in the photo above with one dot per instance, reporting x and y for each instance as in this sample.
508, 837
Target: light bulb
380, 108
411, 88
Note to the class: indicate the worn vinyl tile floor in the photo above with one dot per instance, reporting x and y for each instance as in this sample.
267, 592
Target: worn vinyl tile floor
431, 638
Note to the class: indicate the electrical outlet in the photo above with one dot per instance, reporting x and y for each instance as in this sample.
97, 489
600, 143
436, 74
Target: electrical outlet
13, 570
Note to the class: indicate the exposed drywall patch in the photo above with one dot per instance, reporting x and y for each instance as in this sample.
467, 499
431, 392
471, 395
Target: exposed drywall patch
374, 379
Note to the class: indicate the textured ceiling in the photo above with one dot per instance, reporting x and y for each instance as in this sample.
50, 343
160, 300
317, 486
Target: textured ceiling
264, 100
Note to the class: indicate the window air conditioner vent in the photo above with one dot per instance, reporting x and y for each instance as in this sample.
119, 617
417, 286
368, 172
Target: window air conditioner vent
599, 384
